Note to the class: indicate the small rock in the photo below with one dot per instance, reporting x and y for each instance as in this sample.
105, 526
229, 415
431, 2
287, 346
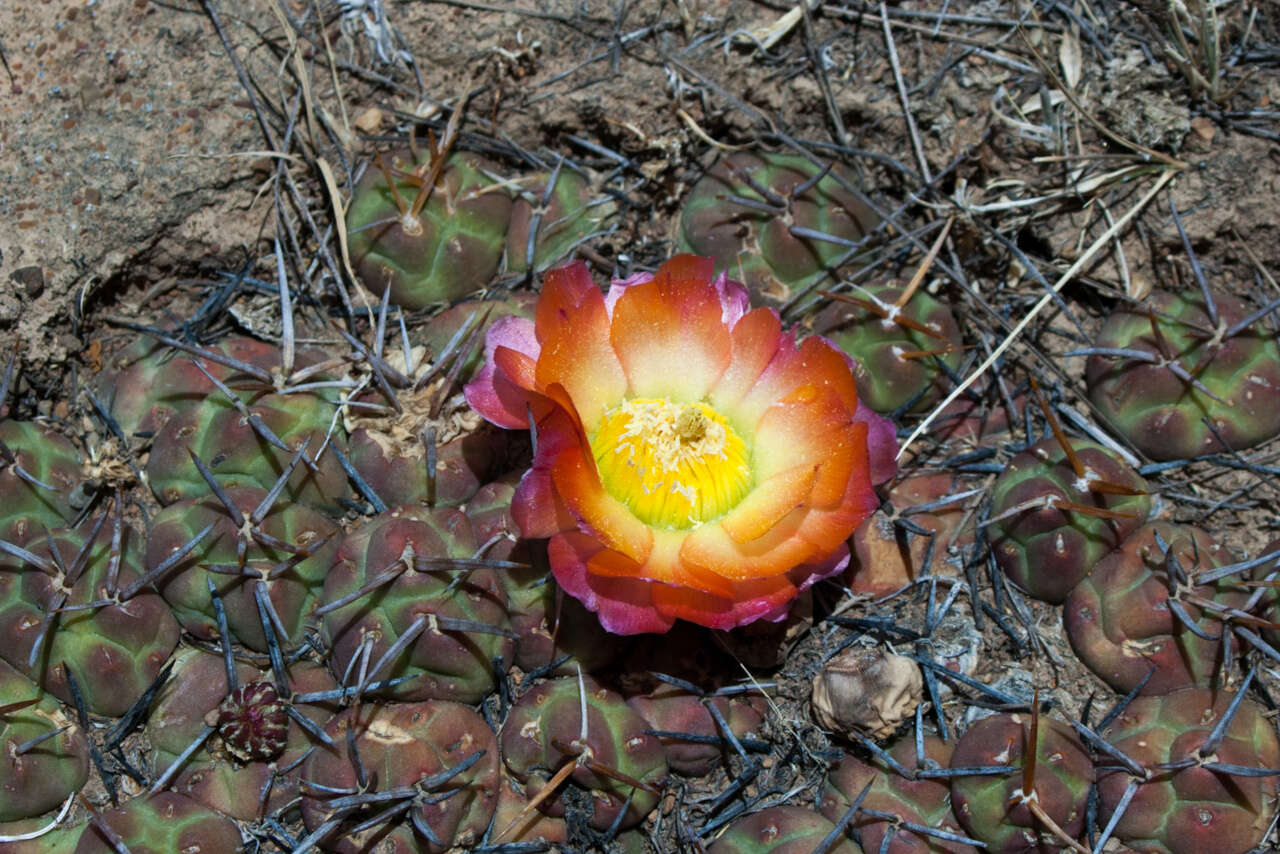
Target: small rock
31, 279
868, 690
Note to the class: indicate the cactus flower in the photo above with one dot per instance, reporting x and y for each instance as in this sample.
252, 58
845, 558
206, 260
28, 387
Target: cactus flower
693, 460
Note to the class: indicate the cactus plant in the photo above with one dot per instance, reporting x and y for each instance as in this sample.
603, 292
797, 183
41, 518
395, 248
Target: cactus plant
71, 601
431, 229
553, 213
896, 339
745, 213
1058, 507
781, 830
575, 729
690, 733
1037, 806
37, 772
435, 763
159, 824
1191, 366
1196, 792
244, 765
39, 469
896, 802
396, 607
551, 628
459, 331
1127, 626
252, 547
250, 435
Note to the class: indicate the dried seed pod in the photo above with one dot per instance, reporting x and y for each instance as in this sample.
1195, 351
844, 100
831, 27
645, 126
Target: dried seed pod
868, 690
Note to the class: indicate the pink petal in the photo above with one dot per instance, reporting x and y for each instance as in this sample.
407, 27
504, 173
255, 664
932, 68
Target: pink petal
492, 393
623, 605
882, 443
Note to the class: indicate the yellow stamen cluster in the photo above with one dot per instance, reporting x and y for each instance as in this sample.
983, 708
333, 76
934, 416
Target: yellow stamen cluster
674, 465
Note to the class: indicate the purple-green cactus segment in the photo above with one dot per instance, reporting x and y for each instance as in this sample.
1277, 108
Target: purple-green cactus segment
163, 823
668, 708
1122, 627
895, 366
402, 745
1197, 808
551, 627
447, 663
1271, 601
1047, 549
456, 324
754, 244
292, 585
40, 778
238, 455
991, 808
923, 801
571, 215
393, 461
47, 456
545, 731
781, 830
219, 774
1164, 415
114, 651
450, 250
55, 841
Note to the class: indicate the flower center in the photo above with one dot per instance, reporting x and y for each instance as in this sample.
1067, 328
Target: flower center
674, 465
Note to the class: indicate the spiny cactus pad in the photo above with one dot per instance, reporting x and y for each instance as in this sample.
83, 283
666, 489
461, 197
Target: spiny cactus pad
448, 249
161, 824
40, 499
923, 801
438, 757
238, 776
386, 576
114, 649
545, 733
695, 743
286, 552
40, 777
991, 806
549, 221
1120, 621
1162, 413
550, 626
1047, 546
781, 830
896, 348
742, 211
1200, 805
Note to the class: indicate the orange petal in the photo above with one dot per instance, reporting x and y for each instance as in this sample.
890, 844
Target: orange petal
754, 341
573, 328
574, 474
668, 332
711, 548
810, 426
765, 505
813, 362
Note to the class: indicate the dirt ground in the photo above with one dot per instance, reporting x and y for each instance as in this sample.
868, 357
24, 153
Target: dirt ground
148, 148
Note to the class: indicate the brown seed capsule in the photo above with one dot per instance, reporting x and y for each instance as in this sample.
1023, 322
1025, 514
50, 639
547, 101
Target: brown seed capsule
868, 690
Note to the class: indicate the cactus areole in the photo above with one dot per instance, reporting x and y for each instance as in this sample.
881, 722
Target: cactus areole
693, 460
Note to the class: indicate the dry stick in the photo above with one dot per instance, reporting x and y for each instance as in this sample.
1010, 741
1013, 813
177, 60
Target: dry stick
902, 93
1070, 274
